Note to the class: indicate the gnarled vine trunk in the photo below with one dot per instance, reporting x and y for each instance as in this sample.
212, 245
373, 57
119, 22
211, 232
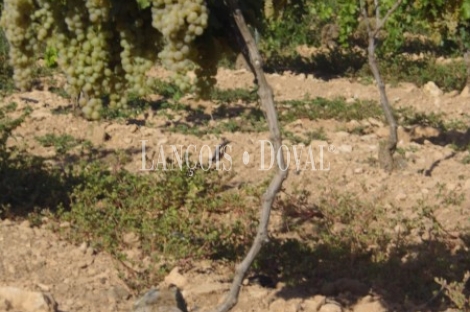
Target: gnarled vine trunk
267, 103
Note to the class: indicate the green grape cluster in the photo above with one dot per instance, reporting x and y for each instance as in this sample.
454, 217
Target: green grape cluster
85, 53
106, 47
180, 22
18, 21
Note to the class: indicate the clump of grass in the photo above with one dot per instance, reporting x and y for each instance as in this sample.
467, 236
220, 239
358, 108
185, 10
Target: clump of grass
234, 95
28, 184
321, 108
339, 235
456, 291
308, 137
174, 216
167, 89
62, 143
407, 116
448, 77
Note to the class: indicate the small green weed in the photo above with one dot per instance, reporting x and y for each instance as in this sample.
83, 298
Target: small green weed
318, 134
457, 291
28, 184
307, 137
234, 95
62, 143
321, 108
422, 119
167, 89
176, 215
466, 160
342, 236
407, 116
60, 92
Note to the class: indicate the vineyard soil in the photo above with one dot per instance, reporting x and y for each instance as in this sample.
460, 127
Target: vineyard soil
81, 280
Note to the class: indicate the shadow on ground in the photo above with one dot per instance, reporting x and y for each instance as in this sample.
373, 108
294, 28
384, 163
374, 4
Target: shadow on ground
402, 272
455, 137
30, 184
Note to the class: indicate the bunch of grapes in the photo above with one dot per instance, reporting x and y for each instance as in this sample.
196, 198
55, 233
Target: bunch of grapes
106, 47
18, 20
180, 22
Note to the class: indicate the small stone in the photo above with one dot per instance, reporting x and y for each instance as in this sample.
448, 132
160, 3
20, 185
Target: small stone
399, 229
278, 305
176, 278
44, 287
424, 132
25, 224
352, 125
97, 134
133, 128
162, 141
374, 306
383, 132
403, 135
358, 170
301, 77
298, 123
131, 239
314, 304
27, 301
369, 137
453, 93
330, 307
89, 251
83, 247
119, 293
342, 134
432, 89
64, 224
39, 115
400, 197
161, 300
375, 122
345, 148
86, 262
465, 92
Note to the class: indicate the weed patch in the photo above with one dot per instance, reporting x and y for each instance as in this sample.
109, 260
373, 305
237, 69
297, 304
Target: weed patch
174, 216
321, 108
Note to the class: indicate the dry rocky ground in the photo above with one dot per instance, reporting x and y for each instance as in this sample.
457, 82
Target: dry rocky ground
79, 279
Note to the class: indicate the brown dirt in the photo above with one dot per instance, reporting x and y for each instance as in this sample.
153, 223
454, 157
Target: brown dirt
81, 280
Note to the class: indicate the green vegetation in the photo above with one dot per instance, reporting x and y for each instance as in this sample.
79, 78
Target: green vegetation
61, 143
6, 71
175, 216
363, 241
27, 182
181, 216
321, 108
